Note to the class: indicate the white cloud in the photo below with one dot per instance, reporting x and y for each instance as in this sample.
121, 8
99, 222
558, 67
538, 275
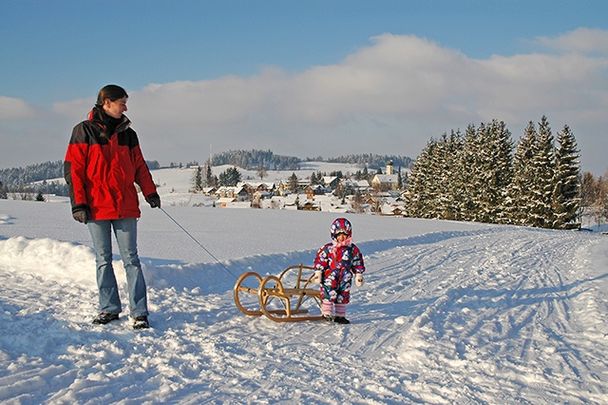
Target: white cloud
15, 108
388, 97
585, 40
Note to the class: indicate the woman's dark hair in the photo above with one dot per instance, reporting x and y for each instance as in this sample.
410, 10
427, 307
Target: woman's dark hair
112, 92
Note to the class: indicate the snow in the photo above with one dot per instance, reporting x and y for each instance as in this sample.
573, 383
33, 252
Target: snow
450, 313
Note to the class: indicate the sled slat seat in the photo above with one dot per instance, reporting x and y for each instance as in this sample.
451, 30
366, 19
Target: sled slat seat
293, 292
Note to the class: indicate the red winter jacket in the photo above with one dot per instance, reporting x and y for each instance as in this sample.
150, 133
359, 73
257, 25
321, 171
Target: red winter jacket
101, 169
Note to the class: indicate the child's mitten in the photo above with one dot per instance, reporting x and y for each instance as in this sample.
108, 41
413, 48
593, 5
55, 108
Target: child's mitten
316, 279
359, 280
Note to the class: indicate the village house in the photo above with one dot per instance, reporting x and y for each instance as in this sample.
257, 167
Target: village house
393, 207
237, 193
309, 205
253, 186
386, 181
331, 182
352, 186
209, 190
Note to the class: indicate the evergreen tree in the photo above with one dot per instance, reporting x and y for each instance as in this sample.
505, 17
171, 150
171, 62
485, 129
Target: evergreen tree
473, 176
40, 197
496, 172
520, 194
313, 178
442, 171
542, 182
292, 183
210, 179
452, 190
418, 191
566, 198
230, 177
3, 193
399, 179
338, 174
197, 180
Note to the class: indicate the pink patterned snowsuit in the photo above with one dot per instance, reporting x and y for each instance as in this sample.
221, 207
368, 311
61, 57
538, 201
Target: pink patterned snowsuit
338, 264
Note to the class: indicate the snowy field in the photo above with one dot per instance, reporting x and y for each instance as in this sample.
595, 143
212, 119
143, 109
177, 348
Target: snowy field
450, 313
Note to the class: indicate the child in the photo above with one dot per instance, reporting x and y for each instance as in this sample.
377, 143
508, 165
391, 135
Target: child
336, 263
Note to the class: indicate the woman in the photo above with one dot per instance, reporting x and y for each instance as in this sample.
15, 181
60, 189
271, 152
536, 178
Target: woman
102, 163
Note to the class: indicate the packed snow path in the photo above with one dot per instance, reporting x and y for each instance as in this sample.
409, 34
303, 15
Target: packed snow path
492, 315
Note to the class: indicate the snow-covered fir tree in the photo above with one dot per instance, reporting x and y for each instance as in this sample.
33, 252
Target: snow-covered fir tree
197, 180
496, 171
520, 195
210, 179
542, 180
435, 189
292, 183
418, 194
461, 183
566, 197
445, 159
474, 178
477, 177
230, 177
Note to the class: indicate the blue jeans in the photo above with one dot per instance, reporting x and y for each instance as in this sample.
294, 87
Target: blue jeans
125, 231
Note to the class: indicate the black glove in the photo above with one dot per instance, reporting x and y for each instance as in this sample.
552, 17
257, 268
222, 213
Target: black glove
154, 200
81, 214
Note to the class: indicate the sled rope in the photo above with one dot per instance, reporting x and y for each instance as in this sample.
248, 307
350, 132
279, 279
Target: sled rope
198, 243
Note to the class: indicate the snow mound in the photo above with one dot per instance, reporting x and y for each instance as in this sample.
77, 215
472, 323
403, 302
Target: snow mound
48, 258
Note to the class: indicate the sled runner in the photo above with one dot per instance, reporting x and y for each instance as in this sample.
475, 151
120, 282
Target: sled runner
283, 298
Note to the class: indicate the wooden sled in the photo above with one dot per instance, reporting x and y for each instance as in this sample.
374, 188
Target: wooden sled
283, 298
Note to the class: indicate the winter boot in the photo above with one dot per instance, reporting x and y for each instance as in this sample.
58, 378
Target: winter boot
105, 317
341, 314
341, 319
141, 322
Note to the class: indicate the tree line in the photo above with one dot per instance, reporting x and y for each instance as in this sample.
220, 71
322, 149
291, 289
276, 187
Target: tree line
256, 159
370, 161
32, 179
253, 159
480, 176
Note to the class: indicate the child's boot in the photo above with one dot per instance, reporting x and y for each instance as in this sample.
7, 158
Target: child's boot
327, 310
341, 314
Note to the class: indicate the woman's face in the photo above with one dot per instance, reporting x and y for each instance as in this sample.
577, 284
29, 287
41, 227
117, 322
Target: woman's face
115, 108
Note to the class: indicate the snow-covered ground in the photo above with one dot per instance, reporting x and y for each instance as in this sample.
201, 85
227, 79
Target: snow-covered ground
450, 313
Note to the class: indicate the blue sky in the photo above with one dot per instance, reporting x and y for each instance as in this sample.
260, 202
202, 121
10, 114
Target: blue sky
56, 55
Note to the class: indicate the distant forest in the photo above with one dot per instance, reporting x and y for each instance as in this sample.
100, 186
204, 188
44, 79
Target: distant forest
372, 161
21, 179
255, 159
